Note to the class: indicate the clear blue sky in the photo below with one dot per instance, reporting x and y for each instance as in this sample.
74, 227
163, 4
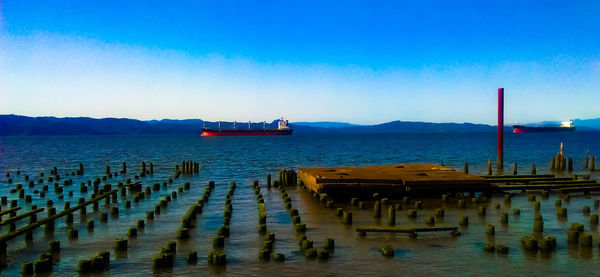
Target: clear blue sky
360, 62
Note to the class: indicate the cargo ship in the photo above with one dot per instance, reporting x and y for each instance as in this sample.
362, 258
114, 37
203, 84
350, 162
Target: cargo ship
283, 129
565, 126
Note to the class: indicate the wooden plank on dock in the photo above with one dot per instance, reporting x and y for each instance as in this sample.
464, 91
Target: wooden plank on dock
580, 189
403, 229
570, 181
528, 180
517, 176
399, 178
549, 186
390, 174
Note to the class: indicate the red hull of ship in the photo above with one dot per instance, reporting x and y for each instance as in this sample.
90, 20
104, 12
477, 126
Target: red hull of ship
243, 133
543, 129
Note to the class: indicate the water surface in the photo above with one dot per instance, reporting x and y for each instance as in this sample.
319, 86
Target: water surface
243, 159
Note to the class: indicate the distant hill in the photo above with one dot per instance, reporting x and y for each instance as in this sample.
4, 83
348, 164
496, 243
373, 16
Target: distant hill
581, 124
326, 124
23, 125
589, 123
410, 126
16, 125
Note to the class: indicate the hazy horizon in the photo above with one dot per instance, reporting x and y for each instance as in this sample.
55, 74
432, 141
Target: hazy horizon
310, 61
241, 121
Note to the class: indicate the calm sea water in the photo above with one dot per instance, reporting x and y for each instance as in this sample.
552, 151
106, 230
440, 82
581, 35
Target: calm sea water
243, 159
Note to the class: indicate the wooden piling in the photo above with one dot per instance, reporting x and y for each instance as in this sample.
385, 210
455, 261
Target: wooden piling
570, 165
377, 209
504, 218
529, 243
490, 230
482, 211
430, 220
585, 240
593, 219
121, 244
387, 251
347, 217
538, 226
586, 210
561, 212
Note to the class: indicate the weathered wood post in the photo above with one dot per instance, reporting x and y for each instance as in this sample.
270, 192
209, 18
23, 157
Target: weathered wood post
377, 209
570, 165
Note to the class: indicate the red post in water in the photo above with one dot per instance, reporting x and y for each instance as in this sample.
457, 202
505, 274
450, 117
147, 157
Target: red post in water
500, 128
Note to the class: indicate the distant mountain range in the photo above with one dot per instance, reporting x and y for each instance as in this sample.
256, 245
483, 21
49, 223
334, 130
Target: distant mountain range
407, 127
326, 124
579, 123
16, 125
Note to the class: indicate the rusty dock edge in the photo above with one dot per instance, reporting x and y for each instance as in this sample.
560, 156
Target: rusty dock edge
392, 180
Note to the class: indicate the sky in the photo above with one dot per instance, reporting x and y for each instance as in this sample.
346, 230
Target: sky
362, 62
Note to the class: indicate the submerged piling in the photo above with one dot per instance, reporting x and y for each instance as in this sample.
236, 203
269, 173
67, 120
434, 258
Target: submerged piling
504, 218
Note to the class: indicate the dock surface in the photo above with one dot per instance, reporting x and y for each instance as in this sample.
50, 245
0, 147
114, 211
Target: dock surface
542, 182
392, 179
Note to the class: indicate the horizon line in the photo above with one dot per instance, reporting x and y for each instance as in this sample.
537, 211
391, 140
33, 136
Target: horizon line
292, 122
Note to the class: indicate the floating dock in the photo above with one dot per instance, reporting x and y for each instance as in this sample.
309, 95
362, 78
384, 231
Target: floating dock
542, 182
391, 180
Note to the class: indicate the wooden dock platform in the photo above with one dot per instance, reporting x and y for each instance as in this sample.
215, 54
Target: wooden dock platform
541, 182
398, 179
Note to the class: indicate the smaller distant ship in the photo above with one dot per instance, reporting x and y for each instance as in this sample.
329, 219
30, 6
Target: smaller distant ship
283, 129
565, 126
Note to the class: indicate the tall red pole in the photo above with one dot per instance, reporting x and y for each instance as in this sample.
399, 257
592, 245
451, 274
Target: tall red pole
500, 128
